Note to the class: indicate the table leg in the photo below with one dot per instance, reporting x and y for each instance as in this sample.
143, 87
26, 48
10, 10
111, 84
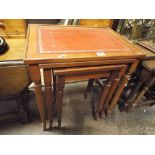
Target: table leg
48, 94
102, 99
54, 89
104, 94
123, 83
89, 87
113, 88
59, 97
118, 93
108, 88
34, 71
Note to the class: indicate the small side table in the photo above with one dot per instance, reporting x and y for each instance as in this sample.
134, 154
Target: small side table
64, 47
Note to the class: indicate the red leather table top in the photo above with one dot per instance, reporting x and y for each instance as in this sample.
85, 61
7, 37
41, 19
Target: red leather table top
54, 40
55, 44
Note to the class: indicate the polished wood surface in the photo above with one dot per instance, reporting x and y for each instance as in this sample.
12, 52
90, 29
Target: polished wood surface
13, 28
13, 80
34, 72
149, 64
120, 47
48, 93
149, 54
11, 62
63, 75
14, 32
16, 50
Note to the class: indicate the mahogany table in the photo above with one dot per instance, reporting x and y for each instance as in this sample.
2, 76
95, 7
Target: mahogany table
61, 47
83, 73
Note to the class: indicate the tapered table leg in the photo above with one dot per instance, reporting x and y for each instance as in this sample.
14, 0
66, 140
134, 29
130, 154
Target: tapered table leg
111, 91
54, 88
89, 87
102, 99
118, 93
113, 88
48, 94
123, 83
105, 92
35, 76
59, 97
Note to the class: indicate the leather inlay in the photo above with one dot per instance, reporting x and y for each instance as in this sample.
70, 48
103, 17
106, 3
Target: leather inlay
77, 39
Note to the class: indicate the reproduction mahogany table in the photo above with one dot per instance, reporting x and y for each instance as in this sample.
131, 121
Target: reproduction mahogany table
64, 47
84, 73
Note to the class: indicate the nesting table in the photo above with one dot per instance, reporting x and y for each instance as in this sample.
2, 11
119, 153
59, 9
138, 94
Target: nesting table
72, 52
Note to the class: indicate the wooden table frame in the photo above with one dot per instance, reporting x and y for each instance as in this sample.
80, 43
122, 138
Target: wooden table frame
107, 103
62, 75
34, 71
120, 53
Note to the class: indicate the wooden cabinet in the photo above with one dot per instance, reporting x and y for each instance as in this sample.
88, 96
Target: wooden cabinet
14, 79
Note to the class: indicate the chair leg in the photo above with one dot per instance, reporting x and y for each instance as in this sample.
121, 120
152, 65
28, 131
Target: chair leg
150, 83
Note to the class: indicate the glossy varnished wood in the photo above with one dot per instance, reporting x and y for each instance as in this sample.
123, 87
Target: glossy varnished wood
34, 72
49, 47
34, 56
13, 28
116, 81
118, 93
63, 75
16, 50
48, 94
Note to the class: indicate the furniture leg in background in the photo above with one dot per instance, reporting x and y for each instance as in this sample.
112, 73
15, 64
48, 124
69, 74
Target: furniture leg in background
123, 83
112, 90
59, 97
89, 87
104, 93
147, 80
